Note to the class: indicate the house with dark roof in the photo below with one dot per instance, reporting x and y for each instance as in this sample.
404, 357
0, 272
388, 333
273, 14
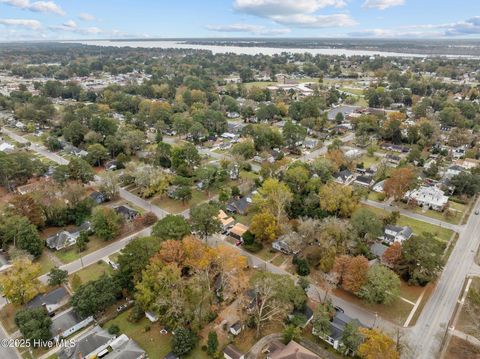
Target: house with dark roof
88, 345
292, 350
337, 327
68, 323
394, 234
289, 243
64, 239
232, 352
240, 205
129, 214
51, 301
98, 197
124, 347
364, 180
344, 177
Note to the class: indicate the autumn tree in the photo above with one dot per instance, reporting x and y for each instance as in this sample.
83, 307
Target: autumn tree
274, 297
400, 181
337, 199
265, 227
274, 196
352, 272
20, 283
393, 255
110, 185
171, 251
377, 345
26, 206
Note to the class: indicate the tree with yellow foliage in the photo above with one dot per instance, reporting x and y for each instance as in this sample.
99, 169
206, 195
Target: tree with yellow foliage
377, 345
338, 199
265, 227
273, 197
20, 283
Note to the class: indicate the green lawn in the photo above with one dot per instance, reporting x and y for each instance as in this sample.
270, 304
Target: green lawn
45, 263
93, 272
71, 254
456, 212
418, 227
355, 91
174, 206
148, 336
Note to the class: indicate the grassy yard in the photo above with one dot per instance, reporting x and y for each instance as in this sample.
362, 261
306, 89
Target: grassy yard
71, 254
45, 263
148, 336
7, 317
456, 212
369, 161
174, 206
93, 272
375, 196
468, 321
418, 227
266, 254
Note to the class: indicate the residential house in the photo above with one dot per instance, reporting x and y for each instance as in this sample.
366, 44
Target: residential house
344, 177
124, 347
151, 316
364, 181
88, 345
453, 171
310, 144
98, 197
393, 160
238, 230
226, 220
379, 186
378, 249
292, 350
232, 352
236, 328
428, 197
289, 243
394, 234
51, 300
344, 110
111, 165
337, 327
126, 212
458, 153
68, 323
64, 239
240, 205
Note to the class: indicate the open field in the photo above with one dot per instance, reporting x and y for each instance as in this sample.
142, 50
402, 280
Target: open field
93, 272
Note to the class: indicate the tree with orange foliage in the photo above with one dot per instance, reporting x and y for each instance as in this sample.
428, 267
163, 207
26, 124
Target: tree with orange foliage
171, 251
377, 345
399, 182
336, 158
393, 254
352, 272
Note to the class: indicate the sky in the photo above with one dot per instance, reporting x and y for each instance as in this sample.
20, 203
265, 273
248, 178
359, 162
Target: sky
22, 20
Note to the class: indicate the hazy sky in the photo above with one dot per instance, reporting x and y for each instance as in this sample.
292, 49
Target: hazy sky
82, 19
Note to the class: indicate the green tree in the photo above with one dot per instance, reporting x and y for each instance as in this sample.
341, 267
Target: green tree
382, 286
366, 223
171, 227
106, 223
97, 154
183, 341
293, 134
134, 258
212, 343
351, 336
422, 258
82, 241
95, 296
79, 169
20, 232
57, 276
291, 332
321, 319
34, 323
204, 219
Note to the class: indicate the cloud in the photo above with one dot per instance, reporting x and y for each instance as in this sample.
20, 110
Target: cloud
25, 23
296, 13
382, 4
86, 17
248, 28
315, 21
464, 28
267, 8
36, 6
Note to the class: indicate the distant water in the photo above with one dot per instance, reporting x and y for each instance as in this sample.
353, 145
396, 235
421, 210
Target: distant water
241, 50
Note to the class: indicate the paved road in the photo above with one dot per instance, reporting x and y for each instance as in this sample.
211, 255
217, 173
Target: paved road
7, 353
426, 337
406, 213
96, 256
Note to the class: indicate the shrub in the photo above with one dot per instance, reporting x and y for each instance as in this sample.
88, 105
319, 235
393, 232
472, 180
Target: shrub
114, 329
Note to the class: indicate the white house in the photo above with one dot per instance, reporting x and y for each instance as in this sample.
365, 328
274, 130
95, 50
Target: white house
394, 234
429, 197
6, 147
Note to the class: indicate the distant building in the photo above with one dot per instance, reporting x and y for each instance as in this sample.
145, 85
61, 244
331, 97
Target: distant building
292, 350
288, 244
239, 206
344, 177
232, 352
51, 301
238, 230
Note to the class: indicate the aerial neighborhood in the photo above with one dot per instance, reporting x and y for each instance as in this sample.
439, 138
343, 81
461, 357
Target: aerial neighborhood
174, 203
